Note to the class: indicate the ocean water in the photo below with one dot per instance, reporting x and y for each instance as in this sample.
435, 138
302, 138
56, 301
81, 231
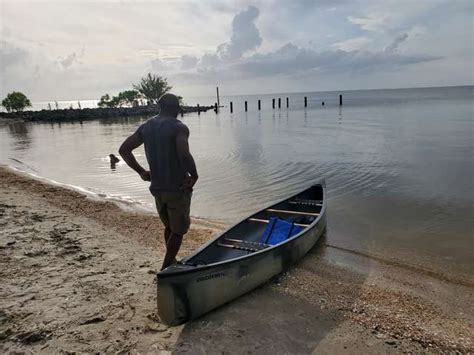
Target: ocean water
398, 165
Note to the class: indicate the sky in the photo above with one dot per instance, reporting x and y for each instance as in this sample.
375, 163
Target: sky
79, 50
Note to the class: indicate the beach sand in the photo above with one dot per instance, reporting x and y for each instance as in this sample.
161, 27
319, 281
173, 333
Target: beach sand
78, 275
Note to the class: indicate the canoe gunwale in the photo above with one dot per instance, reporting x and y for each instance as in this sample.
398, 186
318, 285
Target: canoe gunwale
322, 183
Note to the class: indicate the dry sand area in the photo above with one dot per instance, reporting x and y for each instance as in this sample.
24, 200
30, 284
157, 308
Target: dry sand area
78, 276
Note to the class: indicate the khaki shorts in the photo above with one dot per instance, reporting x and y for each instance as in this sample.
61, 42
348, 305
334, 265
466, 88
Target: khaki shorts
173, 208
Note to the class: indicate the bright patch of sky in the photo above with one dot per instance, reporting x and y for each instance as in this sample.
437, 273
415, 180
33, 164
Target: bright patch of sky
83, 49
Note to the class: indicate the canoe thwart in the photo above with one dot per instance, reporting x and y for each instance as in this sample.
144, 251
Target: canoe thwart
266, 221
303, 202
292, 212
242, 245
246, 242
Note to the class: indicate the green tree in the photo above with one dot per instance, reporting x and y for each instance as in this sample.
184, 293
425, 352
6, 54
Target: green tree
16, 101
152, 87
127, 97
104, 101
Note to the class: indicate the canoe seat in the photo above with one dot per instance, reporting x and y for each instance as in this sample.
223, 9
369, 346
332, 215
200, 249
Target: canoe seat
242, 245
278, 230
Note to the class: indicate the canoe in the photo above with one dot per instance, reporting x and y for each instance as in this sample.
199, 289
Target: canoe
239, 260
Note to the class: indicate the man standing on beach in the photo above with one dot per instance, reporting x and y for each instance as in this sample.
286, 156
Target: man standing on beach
172, 170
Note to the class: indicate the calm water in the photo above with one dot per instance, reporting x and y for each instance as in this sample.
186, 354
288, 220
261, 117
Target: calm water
398, 164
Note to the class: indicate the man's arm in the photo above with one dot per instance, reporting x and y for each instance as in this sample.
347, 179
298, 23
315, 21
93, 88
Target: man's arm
125, 150
186, 158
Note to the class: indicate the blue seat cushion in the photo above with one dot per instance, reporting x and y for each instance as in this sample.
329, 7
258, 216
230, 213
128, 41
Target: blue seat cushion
278, 230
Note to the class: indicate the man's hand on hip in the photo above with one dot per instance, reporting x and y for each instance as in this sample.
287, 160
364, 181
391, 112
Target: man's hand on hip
188, 183
145, 175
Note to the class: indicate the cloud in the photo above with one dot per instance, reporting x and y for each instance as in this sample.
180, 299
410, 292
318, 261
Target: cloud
158, 65
292, 45
188, 62
353, 44
67, 61
290, 59
232, 61
11, 55
372, 22
392, 47
292, 62
245, 35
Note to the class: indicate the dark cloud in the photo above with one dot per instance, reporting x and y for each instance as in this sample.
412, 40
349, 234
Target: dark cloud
291, 59
392, 47
229, 62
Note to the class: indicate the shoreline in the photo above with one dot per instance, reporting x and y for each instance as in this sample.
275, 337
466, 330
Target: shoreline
86, 114
221, 224
79, 272
127, 205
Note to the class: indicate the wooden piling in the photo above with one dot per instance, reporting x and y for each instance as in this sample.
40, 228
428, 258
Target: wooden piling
340, 100
199, 109
259, 105
245, 106
279, 102
273, 103
218, 100
231, 107
305, 101
287, 102
216, 107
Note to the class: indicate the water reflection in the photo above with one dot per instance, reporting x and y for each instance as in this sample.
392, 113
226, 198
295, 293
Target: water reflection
19, 131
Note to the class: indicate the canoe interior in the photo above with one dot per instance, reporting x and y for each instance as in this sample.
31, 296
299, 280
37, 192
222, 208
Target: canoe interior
302, 209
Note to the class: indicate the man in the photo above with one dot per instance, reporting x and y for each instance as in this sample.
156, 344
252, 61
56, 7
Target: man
172, 170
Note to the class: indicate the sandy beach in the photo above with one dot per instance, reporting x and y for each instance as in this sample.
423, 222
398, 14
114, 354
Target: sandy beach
78, 276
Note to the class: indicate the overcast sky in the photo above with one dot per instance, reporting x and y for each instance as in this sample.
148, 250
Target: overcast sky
82, 49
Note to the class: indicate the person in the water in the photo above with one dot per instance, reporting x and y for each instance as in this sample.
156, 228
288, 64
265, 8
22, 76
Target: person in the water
172, 170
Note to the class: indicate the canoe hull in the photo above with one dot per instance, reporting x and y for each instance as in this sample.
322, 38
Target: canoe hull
190, 294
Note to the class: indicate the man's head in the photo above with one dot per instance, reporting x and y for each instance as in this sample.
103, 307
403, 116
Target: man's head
169, 104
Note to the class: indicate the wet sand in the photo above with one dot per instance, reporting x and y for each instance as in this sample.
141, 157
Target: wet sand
78, 275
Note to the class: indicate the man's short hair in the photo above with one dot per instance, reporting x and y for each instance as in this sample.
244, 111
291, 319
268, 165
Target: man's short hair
169, 103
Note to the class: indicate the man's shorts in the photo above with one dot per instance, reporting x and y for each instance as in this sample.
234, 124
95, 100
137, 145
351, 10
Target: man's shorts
173, 208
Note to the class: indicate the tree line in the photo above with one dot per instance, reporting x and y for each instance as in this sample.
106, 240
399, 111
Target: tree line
147, 91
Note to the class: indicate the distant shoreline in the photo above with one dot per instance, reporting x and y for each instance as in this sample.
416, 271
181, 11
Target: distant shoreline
224, 95
86, 114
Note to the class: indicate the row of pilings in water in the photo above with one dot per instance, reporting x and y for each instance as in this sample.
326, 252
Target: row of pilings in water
259, 104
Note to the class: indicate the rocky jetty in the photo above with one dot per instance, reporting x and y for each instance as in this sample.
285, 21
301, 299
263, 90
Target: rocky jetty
92, 113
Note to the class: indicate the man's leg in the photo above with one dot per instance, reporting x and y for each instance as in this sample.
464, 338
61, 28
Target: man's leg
167, 238
167, 234
172, 248
163, 213
178, 205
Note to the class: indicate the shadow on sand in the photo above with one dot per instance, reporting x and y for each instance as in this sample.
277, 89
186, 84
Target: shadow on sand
267, 319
